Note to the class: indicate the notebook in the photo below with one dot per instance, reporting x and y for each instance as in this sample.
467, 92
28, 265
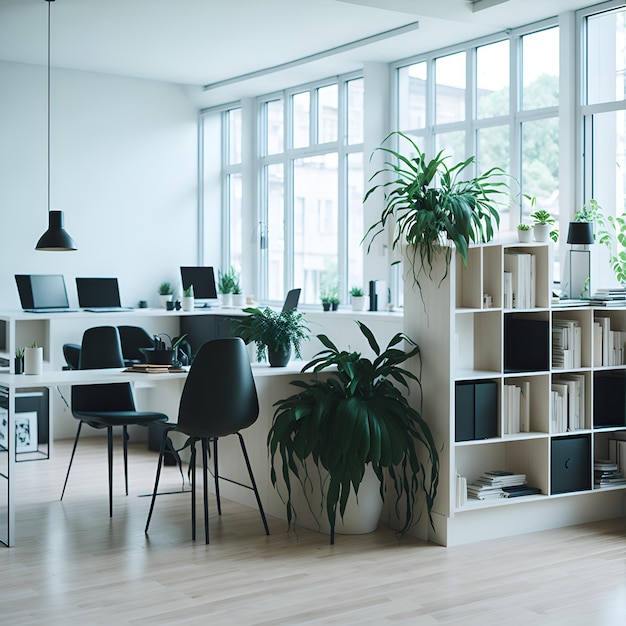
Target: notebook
99, 295
42, 293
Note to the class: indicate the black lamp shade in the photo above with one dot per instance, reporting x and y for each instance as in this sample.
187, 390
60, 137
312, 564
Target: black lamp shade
56, 237
580, 233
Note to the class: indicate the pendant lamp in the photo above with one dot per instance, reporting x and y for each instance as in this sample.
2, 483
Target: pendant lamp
56, 238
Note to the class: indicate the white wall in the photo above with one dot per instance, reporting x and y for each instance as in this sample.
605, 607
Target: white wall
124, 171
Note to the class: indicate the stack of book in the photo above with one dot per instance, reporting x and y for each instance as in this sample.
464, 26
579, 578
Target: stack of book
608, 343
516, 408
494, 484
148, 368
519, 280
566, 343
609, 297
606, 473
567, 398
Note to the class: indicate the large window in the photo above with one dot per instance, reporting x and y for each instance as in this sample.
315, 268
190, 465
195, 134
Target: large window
312, 190
496, 100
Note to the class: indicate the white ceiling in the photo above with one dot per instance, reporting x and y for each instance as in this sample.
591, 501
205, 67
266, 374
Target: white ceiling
199, 42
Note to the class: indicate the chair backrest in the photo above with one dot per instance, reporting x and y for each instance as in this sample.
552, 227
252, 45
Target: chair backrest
219, 397
291, 301
71, 353
132, 338
101, 348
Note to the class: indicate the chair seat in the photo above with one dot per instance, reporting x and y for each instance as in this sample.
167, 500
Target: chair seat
120, 418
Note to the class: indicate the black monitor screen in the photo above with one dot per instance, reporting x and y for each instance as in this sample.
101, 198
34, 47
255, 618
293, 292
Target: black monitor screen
202, 279
98, 292
42, 291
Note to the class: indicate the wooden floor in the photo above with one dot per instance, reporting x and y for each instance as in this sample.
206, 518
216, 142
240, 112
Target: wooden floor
74, 565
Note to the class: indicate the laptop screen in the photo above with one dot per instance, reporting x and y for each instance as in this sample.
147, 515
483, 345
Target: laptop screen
202, 279
98, 292
42, 291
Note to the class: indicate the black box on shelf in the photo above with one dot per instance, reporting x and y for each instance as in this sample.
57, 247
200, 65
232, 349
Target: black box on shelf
609, 399
526, 344
571, 464
476, 410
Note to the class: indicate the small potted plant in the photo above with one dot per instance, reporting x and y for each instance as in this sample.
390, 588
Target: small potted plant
239, 299
225, 285
542, 226
33, 359
334, 302
188, 299
525, 233
357, 298
355, 418
19, 360
325, 302
274, 333
166, 292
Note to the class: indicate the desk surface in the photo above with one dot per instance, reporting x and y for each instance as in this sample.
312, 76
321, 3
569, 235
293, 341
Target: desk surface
53, 378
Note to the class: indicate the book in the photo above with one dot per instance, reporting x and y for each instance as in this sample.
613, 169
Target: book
148, 368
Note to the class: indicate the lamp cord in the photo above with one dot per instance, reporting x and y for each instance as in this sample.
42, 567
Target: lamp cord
49, 1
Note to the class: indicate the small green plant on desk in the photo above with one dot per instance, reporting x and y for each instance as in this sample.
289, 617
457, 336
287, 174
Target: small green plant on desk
356, 292
165, 289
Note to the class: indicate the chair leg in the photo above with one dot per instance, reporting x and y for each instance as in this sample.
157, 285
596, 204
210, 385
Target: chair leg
205, 490
80, 425
254, 488
216, 475
158, 476
125, 438
110, 455
192, 462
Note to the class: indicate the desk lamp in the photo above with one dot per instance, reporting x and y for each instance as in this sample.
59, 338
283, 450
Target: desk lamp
579, 236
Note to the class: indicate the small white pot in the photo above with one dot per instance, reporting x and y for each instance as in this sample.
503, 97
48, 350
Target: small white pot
358, 303
239, 300
525, 236
163, 300
188, 303
227, 299
542, 232
33, 361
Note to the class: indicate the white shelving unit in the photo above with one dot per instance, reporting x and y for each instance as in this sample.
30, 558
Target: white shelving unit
463, 339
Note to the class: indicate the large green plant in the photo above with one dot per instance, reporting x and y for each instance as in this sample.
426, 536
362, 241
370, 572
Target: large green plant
356, 416
272, 330
428, 203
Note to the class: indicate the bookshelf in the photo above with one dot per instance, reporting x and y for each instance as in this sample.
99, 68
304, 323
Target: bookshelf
478, 344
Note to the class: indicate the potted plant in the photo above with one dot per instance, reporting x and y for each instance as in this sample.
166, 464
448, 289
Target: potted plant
525, 233
166, 292
357, 297
356, 417
189, 300
325, 302
239, 299
33, 359
431, 205
225, 285
542, 227
334, 302
275, 333
19, 360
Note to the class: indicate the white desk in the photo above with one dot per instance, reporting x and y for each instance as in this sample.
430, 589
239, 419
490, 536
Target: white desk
271, 383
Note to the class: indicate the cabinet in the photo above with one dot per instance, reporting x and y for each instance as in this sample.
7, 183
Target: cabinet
475, 335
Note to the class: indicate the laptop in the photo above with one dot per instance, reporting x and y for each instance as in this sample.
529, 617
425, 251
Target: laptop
99, 295
42, 293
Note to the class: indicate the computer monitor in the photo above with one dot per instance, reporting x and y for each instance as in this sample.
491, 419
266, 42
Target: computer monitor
203, 280
42, 292
98, 292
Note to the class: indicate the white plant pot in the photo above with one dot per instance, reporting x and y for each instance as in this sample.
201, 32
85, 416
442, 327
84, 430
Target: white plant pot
358, 303
359, 518
33, 361
163, 300
525, 236
227, 299
188, 303
542, 232
239, 300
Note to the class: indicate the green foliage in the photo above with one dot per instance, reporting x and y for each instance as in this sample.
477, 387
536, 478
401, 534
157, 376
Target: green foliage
428, 203
355, 417
276, 331
542, 217
19, 352
228, 281
188, 293
356, 291
33, 345
611, 233
524, 227
165, 289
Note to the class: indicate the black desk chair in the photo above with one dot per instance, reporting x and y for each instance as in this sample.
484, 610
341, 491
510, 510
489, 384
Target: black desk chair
132, 338
219, 399
71, 353
106, 405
